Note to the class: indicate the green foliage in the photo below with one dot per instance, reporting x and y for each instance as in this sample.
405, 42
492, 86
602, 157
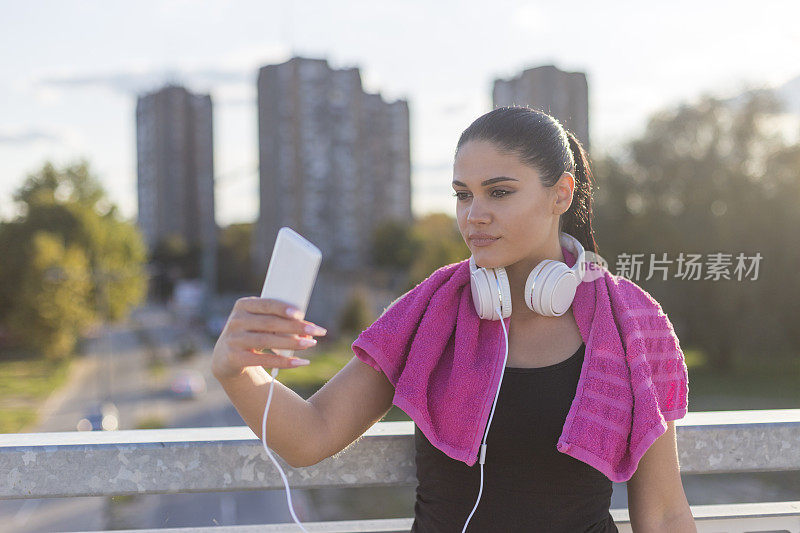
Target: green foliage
52, 301
436, 242
356, 315
234, 273
392, 245
418, 249
712, 177
69, 259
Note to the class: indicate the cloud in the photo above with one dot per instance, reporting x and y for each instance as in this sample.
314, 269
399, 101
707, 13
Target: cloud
232, 78
134, 82
29, 137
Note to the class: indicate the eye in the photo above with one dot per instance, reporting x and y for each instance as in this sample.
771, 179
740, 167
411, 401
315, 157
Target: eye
505, 193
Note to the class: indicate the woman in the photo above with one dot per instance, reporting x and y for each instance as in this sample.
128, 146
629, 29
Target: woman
519, 179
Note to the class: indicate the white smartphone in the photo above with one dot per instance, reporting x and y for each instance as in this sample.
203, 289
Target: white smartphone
291, 273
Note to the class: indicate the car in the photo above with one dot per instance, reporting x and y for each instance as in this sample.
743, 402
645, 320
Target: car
100, 417
188, 384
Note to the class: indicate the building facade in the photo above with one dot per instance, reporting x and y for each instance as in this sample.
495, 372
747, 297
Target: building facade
564, 95
175, 169
334, 162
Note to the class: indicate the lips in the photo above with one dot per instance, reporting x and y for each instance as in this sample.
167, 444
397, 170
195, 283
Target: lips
482, 241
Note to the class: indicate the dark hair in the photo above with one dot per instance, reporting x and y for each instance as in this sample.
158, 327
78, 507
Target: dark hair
540, 141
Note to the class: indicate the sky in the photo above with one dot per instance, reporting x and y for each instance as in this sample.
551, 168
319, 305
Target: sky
71, 72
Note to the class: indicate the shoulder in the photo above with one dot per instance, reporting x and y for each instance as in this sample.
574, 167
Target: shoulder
634, 295
436, 279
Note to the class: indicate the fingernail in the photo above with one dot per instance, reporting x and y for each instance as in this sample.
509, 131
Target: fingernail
308, 342
314, 330
294, 312
299, 362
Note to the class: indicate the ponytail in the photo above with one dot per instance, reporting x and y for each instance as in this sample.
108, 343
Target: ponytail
577, 220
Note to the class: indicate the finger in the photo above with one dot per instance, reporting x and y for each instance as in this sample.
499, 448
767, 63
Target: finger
263, 306
263, 341
245, 321
269, 359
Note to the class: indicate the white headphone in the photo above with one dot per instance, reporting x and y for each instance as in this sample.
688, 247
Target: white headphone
549, 290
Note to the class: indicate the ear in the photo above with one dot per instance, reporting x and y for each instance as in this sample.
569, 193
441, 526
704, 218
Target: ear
563, 190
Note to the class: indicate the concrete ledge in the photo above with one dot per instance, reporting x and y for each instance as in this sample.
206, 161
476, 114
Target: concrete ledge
42, 465
732, 518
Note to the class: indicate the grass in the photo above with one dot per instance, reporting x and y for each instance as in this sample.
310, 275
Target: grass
327, 358
25, 383
151, 422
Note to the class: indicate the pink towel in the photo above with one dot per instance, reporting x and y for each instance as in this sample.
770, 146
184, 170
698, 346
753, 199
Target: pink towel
445, 363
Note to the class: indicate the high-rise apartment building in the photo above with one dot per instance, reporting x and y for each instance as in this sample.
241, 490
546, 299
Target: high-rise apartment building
334, 162
175, 167
564, 95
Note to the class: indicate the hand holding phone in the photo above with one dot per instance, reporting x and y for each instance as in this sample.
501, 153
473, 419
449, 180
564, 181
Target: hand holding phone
257, 325
291, 273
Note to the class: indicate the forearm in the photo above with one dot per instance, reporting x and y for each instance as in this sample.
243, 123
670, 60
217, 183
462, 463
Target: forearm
292, 422
679, 523
682, 523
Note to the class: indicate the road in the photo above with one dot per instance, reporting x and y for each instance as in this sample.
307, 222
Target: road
115, 368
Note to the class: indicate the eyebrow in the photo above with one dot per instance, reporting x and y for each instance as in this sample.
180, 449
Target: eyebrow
487, 182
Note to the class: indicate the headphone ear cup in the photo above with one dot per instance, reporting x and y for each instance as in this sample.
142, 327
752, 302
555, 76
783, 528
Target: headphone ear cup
481, 293
554, 287
494, 301
551, 285
550, 277
505, 291
564, 286
533, 289
485, 298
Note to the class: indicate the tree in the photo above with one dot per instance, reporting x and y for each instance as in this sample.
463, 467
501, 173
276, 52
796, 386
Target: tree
436, 241
234, 271
67, 224
355, 316
418, 249
53, 298
392, 246
711, 177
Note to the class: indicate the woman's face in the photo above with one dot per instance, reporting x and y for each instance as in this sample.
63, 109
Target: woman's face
513, 207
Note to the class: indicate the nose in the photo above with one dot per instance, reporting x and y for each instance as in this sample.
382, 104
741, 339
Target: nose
476, 213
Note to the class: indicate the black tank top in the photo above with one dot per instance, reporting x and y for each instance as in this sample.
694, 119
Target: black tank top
528, 484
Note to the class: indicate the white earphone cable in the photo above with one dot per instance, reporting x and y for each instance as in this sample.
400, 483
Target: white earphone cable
274, 373
482, 457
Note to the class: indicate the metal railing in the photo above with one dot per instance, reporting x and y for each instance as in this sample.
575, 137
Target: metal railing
164, 461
